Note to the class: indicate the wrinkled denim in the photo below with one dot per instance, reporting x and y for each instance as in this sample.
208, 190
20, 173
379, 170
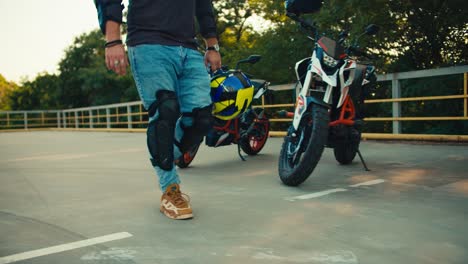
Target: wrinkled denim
173, 68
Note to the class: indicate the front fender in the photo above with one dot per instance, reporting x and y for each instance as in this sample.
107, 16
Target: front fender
302, 108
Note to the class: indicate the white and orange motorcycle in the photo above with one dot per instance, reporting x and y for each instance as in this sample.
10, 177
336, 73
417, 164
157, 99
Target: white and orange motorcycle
327, 110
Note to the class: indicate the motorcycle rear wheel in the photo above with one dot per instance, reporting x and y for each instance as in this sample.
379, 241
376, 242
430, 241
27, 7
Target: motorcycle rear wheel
300, 153
346, 152
187, 157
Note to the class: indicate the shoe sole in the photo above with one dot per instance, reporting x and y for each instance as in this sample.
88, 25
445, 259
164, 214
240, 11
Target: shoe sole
178, 217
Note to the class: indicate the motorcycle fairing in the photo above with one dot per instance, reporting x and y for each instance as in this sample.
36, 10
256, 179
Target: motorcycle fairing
349, 66
314, 67
332, 48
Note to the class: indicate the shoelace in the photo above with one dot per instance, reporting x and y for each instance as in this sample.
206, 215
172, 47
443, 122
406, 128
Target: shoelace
179, 198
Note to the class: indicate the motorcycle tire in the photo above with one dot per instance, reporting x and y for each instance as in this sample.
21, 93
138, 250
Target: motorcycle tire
187, 157
346, 152
308, 145
254, 141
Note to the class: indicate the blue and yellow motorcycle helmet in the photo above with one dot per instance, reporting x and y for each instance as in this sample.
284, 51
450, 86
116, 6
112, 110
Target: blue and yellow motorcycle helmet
231, 94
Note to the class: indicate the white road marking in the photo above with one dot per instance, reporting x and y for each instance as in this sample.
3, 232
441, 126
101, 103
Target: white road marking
113, 253
338, 256
315, 195
367, 183
63, 247
327, 192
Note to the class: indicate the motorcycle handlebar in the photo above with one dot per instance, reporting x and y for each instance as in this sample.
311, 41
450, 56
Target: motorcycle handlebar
304, 24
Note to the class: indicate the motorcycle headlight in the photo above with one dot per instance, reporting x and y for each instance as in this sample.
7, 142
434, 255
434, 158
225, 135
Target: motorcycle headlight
329, 61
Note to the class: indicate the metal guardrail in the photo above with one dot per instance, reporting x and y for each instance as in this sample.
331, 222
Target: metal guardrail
131, 115
397, 100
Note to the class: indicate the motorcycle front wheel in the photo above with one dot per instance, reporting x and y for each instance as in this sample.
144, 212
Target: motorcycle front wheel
302, 149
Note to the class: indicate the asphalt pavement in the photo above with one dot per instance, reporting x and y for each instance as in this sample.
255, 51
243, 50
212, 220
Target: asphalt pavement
92, 197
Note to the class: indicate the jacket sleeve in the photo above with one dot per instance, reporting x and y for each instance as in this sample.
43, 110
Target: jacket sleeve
108, 10
205, 17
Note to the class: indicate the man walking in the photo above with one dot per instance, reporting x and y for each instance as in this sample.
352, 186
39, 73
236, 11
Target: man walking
171, 78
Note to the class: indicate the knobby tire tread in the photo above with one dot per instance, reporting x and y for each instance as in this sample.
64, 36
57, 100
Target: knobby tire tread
312, 154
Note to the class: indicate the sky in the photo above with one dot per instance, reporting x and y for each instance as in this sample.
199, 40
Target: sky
35, 33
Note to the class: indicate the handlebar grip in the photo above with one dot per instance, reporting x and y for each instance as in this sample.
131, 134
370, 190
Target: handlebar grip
303, 23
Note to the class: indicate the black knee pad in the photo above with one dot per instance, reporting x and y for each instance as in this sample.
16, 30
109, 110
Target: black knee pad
202, 123
160, 132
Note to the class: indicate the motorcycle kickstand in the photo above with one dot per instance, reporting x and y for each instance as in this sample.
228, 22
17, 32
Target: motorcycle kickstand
239, 152
362, 160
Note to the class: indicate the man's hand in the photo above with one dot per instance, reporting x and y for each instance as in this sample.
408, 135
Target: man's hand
116, 59
213, 58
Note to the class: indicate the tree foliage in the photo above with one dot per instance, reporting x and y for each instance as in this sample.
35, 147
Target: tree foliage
415, 34
85, 78
6, 88
42, 93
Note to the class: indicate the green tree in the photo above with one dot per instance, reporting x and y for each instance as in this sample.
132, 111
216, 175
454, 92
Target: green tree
41, 93
232, 17
85, 79
6, 88
432, 33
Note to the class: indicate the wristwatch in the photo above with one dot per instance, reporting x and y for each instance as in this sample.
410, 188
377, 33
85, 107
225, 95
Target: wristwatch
215, 47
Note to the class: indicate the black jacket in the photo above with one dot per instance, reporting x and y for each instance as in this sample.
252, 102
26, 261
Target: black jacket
166, 22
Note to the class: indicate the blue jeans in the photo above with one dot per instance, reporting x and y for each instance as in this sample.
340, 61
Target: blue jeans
173, 68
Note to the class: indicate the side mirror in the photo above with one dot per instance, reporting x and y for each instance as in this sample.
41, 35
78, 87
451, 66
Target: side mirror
253, 59
372, 29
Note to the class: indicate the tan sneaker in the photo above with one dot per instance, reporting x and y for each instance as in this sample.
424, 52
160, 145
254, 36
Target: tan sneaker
175, 204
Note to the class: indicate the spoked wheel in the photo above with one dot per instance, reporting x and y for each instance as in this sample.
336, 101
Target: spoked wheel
302, 149
187, 157
254, 141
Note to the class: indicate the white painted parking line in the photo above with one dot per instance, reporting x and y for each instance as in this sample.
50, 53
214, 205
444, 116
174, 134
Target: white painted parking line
327, 192
315, 195
368, 183
63, 247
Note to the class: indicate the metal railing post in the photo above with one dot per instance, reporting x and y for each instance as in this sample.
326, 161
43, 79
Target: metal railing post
8, 119
42, 119
396, 106
58, 120
465, 93
91, 121
129, 116
77, 124
140, 107
65, 121
108, 118
25, 120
